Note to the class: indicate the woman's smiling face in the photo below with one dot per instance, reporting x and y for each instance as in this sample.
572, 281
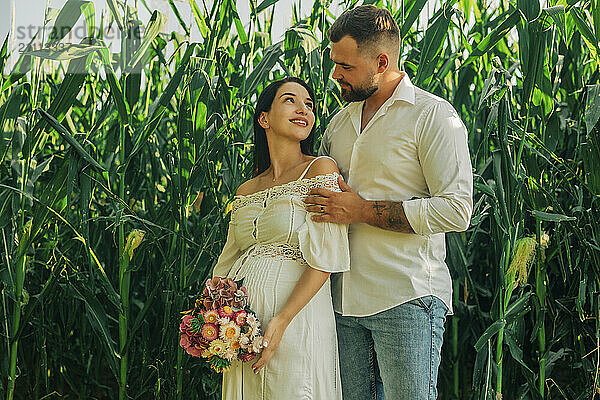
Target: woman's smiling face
291, 114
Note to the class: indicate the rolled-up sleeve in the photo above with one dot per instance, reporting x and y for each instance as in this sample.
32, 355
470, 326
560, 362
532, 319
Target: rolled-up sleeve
443, 153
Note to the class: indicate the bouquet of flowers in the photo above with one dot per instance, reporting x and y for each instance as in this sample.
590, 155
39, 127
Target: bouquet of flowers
221, 327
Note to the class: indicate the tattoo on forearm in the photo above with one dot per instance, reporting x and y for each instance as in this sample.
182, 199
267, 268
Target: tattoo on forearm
379, 207
391, 216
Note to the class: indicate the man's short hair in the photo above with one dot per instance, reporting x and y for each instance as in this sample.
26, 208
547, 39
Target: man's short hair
371, 27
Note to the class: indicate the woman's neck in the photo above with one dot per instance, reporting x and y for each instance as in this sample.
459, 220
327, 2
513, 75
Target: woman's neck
284, 157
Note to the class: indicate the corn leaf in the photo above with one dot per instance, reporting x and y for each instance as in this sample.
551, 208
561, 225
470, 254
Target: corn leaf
115, 88
414, 9
152, 30
179, 18
264, 5
157, 109
489, 333
494, 37
592, 107
261, 72
4, 54
69, 138
199, 17
112, 5
96, 316
64, 52
9, 112
552, 217
432, 44
585, 29
557, 13
67, 18
22, 66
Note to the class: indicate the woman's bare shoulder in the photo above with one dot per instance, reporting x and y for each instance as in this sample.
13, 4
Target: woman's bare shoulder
322, 166
247, 187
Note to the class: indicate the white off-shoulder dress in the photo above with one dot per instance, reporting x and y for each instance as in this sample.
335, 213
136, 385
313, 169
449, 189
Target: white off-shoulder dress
270, 242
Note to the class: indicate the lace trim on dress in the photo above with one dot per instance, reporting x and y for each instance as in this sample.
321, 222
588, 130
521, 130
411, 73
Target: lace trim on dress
299, 187
276, 250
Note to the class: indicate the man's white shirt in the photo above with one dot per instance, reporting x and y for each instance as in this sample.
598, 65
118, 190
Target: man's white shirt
413, 150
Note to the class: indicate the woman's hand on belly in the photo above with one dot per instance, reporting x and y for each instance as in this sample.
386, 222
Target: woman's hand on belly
273, 334
308, 285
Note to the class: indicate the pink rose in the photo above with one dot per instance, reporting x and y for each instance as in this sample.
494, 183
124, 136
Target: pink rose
215, 284
194, 351
240, 298
185, 323
231, 285
220, 292
184, 341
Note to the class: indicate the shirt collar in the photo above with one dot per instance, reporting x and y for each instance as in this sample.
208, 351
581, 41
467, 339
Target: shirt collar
404, 91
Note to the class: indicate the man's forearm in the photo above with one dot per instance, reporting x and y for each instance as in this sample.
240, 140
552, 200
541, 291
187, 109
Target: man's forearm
387, 215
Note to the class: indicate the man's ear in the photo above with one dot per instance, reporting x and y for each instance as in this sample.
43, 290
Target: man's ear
383, 62
262, 120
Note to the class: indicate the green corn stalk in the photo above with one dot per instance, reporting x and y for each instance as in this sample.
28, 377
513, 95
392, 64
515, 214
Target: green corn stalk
9, 114
19, 278
124, 276
540, 289
455, 365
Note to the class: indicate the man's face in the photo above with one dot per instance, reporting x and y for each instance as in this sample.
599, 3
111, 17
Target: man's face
355, 71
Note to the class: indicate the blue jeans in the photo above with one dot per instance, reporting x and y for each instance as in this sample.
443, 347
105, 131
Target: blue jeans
397, 350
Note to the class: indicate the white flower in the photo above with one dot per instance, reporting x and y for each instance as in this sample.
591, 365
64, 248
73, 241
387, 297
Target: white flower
244, 342
230, 354
217, 347
257, 344
223, 321
252, 320
254, 330
229, 331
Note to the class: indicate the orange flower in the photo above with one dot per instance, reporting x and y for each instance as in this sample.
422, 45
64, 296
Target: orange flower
226, 311
211, 316
230, 332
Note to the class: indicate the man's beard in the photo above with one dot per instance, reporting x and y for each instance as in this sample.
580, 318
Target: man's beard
359, 93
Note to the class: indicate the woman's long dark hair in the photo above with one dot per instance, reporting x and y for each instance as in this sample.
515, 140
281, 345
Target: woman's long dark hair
262, 159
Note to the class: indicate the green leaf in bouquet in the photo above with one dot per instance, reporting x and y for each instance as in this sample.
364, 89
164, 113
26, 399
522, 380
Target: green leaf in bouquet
218, 364
196, 324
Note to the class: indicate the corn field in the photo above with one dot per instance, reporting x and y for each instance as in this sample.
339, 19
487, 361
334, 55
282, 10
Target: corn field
117, 166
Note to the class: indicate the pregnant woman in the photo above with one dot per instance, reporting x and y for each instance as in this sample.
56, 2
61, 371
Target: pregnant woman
285, 258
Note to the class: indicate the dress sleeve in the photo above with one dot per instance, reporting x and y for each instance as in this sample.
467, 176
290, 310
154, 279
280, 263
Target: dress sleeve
229, 255
324, 245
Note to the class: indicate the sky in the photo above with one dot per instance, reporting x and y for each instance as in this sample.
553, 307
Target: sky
24, 17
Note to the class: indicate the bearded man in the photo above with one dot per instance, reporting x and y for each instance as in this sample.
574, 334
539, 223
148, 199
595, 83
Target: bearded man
404, 155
